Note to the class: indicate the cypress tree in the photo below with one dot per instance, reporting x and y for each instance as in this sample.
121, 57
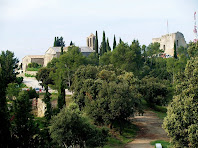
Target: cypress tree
107, 46
120, 40
55, 42
61, 97
114, 42
175, 51
104, 43
96, 43
61, 50
71, 43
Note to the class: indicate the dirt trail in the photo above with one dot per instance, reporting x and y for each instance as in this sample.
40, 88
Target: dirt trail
150, 129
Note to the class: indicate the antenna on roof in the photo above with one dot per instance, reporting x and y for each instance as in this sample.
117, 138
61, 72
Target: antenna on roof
195, 28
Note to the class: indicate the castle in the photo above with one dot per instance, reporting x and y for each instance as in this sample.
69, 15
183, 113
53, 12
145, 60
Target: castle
54, 52
167, 42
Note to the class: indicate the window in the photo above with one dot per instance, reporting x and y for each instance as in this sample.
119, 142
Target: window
177, 43
164, 47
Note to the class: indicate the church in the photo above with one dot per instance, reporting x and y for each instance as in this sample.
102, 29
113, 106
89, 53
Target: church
54, 52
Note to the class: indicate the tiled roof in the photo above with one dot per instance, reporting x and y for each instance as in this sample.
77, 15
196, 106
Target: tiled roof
86, 49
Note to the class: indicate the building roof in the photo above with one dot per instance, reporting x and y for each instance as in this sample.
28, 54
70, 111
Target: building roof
86, 49
35, 56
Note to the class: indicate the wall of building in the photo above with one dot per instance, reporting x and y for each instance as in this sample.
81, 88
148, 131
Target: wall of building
38, 61
167, 42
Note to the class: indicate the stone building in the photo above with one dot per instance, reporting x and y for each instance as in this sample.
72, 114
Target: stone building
167, 42
32, 58
91, 41
53, 52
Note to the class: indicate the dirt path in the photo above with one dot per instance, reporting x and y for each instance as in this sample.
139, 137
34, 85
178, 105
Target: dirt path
150, 129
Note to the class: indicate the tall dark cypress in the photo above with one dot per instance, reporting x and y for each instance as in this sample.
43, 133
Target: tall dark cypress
175, 51
96, 42
120, 40
104, 43
107, 45
55, 42
61, 50
114, 42
61, 97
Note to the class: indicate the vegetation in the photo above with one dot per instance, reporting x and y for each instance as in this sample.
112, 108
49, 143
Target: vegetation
29, 75
108, 90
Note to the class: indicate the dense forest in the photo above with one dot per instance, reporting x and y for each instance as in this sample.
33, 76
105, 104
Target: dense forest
109, 87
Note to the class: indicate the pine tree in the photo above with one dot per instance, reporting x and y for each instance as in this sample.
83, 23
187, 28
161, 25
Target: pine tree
175, 51
107, 45
71, 43
114, 42
96, 43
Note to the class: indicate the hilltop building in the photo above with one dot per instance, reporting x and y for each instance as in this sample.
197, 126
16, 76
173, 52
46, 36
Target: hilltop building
32, 58
167, 42
54, 52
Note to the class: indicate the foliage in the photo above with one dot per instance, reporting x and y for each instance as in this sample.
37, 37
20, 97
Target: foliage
192, 49
29, 75
107, 97
24, 129
34, 65
175, 51
80, 132
114, 42
43, 75
103, 45
154, 91
181, 120
12, 90
58, 42
96, 43
8, 63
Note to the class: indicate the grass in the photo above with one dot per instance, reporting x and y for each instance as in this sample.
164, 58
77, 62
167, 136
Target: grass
165, 144
33, 69
29, 75
160, 111
118, 141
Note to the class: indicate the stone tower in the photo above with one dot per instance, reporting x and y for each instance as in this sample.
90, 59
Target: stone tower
167, 42
91, 41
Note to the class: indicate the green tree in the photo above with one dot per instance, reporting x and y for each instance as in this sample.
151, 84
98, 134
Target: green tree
192, 49
43, 75
24, 129
58, 42
103, 45
96, 43
181, 120
71, 43
108, 48
114, 42
55, 42
8, 63
175, 51
61, 50
12, 90
154, 91
80, 132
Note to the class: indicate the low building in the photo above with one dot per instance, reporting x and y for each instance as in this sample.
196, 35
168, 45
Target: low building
32, 59
167, 42
53, 52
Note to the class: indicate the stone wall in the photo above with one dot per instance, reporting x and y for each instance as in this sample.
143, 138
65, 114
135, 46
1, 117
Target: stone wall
167, 42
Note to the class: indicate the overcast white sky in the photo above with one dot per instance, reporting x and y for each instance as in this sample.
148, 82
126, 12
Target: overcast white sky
29, 26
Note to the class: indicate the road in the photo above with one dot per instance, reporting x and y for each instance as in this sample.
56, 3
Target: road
32, 82
150, 130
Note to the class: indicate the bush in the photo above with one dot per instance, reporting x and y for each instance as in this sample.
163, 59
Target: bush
29, 75
34, 65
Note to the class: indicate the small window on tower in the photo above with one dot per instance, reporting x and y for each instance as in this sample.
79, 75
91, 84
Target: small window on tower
164, 47
177, 43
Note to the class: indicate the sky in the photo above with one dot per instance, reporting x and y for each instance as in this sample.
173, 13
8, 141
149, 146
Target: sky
28, 27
